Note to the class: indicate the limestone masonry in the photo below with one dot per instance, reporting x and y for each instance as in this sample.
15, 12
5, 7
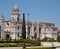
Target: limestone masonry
12, 29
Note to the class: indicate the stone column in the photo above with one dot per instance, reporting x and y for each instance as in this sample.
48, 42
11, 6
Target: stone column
37, 30
32, 31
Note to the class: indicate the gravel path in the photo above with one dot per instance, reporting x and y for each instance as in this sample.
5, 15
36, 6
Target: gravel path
10, 47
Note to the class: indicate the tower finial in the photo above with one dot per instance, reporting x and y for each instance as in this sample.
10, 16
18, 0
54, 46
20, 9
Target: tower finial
2, 15
15, 8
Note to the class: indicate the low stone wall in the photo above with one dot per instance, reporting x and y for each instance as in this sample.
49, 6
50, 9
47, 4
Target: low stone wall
50, 43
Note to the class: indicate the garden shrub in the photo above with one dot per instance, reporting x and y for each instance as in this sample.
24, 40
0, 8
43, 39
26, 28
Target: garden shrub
41, 48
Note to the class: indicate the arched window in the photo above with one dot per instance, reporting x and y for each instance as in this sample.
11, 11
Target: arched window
17, 18
18, 27
34, 28
28, 30
7, 23
18, 34
39, 30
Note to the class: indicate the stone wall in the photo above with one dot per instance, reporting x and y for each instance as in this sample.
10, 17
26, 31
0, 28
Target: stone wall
50, 44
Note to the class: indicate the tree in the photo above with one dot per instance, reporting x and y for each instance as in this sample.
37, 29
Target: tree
23, 27
58, 38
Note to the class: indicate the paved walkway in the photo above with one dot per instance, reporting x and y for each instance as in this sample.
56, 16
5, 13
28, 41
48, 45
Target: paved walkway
41, 46
21, 47
10, 47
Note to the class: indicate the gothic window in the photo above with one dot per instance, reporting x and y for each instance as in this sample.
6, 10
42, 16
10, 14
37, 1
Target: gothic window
39, 30
18, 34
54, 29
28, 30
17, 18
18, 27
7, 23
34, 29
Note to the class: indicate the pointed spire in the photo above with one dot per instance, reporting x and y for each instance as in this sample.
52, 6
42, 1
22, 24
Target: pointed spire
2, 15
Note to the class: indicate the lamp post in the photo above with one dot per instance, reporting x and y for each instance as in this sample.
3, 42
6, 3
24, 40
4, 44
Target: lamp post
44, 32
28, 27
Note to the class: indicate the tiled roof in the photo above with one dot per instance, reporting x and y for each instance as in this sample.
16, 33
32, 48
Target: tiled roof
58, 30
43, 22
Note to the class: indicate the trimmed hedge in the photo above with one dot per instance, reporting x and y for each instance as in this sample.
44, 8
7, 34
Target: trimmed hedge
15, 41
41, 48
34, 42
21, 42
8, 45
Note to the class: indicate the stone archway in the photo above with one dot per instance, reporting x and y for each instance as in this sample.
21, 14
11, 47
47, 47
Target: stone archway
7, 37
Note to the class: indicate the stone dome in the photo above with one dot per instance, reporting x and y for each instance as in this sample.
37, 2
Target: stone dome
15, 8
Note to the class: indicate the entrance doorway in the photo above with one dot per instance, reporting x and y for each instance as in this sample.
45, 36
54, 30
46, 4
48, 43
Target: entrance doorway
7, 37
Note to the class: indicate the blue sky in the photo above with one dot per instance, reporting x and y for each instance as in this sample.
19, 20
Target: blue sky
40, 10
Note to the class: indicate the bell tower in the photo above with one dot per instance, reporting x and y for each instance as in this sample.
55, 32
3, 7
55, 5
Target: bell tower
15, 13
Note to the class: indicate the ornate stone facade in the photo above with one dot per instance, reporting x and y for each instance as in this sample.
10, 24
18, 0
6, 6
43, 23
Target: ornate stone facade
12, 29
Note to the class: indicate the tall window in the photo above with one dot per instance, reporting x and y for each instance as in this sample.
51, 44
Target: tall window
7, 23
18, 34
18, 27
28, 30
17, 18
39, 30
54, 29
34, 29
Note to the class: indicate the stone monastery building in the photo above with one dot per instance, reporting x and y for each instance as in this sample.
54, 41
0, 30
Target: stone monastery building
12, 29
